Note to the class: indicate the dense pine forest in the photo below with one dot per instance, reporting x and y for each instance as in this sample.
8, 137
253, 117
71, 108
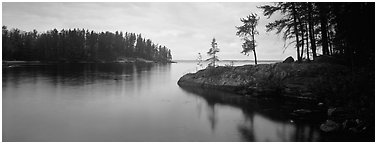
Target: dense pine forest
79, 46
342, 30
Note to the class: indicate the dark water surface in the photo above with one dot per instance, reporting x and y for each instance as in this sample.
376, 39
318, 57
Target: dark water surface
133, 102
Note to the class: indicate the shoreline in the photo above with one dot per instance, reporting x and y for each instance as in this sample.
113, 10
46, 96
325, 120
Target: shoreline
343, 94
136, 60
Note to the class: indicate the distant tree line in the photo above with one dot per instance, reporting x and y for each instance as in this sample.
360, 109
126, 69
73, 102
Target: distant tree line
340, 29
79, 45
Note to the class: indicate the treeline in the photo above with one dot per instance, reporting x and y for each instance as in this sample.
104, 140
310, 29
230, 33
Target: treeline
342, 29
79, 45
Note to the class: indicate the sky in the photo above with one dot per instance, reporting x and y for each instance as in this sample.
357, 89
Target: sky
185, 28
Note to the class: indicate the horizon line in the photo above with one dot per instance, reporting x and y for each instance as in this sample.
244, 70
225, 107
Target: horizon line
227, 60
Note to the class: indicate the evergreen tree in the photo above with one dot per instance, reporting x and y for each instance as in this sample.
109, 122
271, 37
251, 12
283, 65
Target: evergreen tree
329, 25
248, 32
79, 45
290, 20
212, 53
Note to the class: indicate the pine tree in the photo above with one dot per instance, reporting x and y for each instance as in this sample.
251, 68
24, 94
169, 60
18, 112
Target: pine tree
248, 31
289, 21
212, 53
79, 45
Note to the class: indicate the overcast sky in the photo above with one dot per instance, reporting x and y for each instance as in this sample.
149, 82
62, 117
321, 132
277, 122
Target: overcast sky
185, 28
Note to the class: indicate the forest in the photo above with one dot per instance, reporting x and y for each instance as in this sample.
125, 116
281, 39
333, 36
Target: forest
79, 46
341, 30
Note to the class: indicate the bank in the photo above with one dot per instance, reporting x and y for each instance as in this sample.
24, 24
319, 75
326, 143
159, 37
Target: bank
345, 95
15, 63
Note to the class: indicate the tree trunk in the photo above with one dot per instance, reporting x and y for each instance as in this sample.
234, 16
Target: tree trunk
323, 19
255, 53
302, 46
331, 51
255, 57
307, 41
296, 31
311, 31
302, 36
330, 44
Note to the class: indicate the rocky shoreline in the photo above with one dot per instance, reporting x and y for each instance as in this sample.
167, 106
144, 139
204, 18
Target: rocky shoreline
286, 79
345, 95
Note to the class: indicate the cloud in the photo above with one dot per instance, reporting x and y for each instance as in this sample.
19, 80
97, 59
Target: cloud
185, 28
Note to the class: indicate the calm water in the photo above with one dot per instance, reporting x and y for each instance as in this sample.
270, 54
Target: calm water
129, 102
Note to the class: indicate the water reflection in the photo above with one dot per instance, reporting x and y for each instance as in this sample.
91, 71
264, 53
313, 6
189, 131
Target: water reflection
79, 74
212, 115
133, 102
264, 120
78, 102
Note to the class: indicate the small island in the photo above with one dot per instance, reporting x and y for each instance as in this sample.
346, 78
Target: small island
79, 46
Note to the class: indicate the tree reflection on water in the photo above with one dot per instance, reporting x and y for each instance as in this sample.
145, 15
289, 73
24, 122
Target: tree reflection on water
264, 119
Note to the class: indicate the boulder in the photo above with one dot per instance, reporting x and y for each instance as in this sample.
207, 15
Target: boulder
329, 126
289, 60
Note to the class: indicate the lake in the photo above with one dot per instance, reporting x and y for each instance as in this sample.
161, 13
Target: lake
135, 102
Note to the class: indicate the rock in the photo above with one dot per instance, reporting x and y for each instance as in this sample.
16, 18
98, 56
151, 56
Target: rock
354, 125
349, 125
330, 111
295, 80
329, 126
289, 60
302, 111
